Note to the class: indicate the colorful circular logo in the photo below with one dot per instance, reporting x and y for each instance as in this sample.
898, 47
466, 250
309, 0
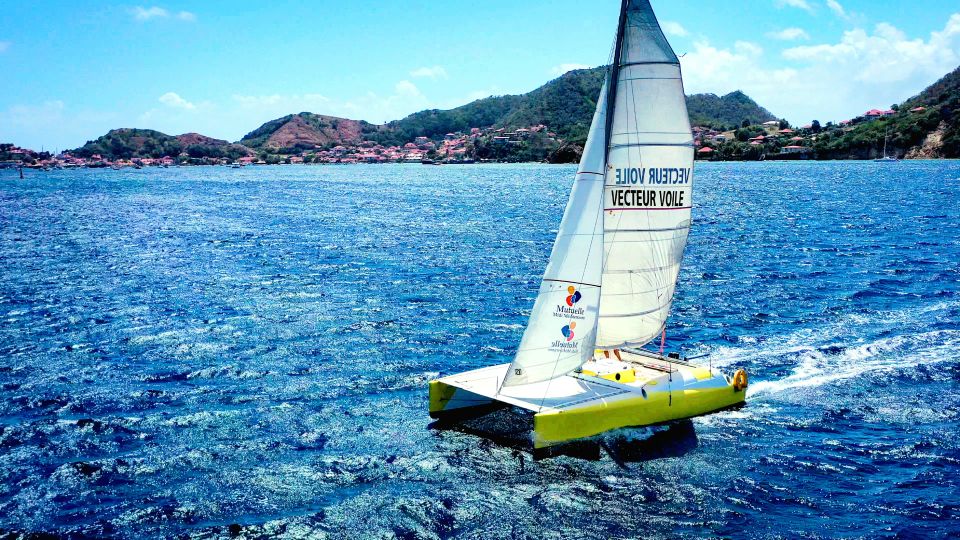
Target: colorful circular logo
574, 297
568, 331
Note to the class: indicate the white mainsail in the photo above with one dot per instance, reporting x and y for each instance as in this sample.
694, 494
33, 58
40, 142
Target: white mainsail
562, 330
615, 263
649, 186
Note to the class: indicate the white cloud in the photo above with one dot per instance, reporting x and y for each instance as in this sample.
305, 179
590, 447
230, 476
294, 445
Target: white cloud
407, 88
789, 34
800, 4
564, 68
747, 49
838, 9
674, 29
4, 46
171, 99
435, 72
887, 55
829, 81
141, 13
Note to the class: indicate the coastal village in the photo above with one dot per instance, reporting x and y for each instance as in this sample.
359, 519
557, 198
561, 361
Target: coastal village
776, 140
452, 148
772, 140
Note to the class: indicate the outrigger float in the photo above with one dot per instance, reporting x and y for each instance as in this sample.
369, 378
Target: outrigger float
608, 288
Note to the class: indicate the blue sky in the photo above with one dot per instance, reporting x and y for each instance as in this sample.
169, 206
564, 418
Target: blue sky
73, 70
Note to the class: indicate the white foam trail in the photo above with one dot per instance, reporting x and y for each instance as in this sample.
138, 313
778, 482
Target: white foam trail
857, 357
886, 355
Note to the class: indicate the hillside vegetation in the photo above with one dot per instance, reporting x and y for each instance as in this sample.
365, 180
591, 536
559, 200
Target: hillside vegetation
146, 143
565, 105
296, 132
932, 132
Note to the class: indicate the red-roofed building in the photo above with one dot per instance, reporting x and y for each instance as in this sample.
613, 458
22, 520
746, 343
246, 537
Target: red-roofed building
873, 114
705, 150
918, 109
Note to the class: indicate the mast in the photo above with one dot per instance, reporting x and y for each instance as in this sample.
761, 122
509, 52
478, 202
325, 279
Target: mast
614, 79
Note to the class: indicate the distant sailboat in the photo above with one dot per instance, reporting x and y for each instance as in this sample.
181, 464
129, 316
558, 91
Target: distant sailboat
886, 158
610, 282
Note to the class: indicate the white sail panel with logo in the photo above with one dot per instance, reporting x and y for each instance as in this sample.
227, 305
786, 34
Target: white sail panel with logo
561, 333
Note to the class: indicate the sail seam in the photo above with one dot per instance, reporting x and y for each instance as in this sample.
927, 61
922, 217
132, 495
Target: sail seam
652, 230
651, 144
651, 209
640, 271
638, 314
658, 63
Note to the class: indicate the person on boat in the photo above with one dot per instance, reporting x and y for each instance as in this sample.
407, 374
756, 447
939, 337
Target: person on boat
616, 352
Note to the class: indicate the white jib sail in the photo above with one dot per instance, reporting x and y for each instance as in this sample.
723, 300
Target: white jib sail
561, 333
649, 186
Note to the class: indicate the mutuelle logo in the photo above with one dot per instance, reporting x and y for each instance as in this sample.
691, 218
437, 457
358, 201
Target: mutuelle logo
567, 331
574, 297
566, 345
568, 309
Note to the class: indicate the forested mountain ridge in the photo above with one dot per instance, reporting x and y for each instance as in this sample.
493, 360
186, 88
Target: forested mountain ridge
565, 105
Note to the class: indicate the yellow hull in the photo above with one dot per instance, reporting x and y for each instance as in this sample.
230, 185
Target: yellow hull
589, 403
559, 426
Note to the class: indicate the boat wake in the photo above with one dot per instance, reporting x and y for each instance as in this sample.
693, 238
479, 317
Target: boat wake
836, 352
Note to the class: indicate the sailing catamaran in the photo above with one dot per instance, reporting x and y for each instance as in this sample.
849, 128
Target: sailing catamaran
610, 281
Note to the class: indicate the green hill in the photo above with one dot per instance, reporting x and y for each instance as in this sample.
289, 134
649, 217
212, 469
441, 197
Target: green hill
729, 111
129, 143
296, 132
924, 126
565, 105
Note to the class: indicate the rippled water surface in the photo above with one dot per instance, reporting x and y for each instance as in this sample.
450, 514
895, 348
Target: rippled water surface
214, 352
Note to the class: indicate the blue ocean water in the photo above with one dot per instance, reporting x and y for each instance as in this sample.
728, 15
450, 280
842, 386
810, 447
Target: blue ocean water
210, 352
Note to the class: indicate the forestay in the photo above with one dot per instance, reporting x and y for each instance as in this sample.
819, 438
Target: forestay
649, 186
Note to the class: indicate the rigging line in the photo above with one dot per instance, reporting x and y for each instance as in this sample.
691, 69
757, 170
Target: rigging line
573, 282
